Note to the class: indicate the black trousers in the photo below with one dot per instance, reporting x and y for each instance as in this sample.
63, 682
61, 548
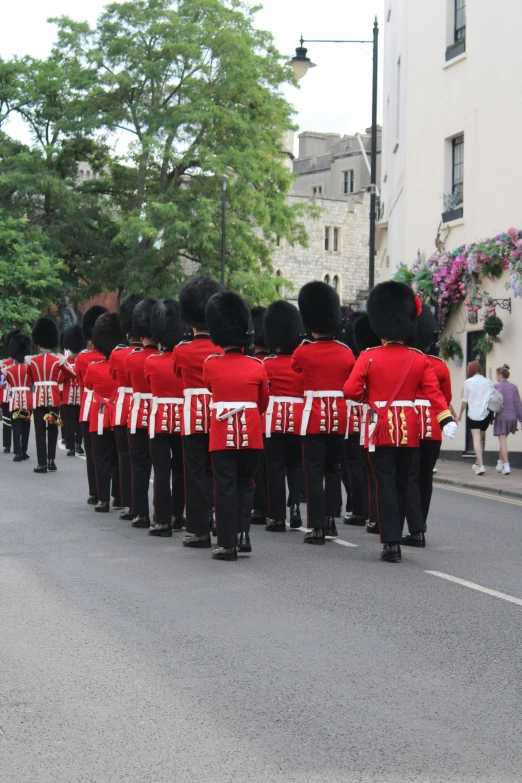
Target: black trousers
414, 515
355, 458
322, 461
121, 433
89, 458
169, 481
260, 492
284, 460
7, 433
106, 463
71, 421
390, 467
198, 483
21, 430
345, 477
428, 455
141, 470
233, 492
46, 436
372, 492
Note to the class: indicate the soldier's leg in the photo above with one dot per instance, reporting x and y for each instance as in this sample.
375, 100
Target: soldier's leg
195, 454
225, 465
314, 462
89, 460
275, 457
383, 465
40, 427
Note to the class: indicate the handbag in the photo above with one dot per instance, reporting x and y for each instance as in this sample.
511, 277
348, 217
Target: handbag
495, 401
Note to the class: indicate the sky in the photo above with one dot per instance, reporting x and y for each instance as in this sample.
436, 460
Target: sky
334, 97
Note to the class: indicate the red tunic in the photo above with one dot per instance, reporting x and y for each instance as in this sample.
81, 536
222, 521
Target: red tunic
374, 378
325, 365
234, 381
117, 363
188, 359
428, 424
83, 360
142, 394
20, 396
98, 378
45, 372
4, 389
167, 395
286, 390
355, 418
71, 392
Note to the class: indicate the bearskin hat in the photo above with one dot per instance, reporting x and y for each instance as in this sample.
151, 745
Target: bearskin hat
425, 330
320, 308
7, 336
73, 339
283, 327
45, 334
193, 300
141, 318
107, 333
228, 319
167, 326
258, 314
19, 346
126, 310
363, 335
89, 319
392, 310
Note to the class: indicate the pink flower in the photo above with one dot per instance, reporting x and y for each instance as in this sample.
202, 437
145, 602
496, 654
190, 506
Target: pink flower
513, 234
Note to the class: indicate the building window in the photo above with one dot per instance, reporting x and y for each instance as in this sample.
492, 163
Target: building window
336, 233
348, 181
456, 30
460, 20
335, 283
326, 238
327, 279
457, 171
317, 190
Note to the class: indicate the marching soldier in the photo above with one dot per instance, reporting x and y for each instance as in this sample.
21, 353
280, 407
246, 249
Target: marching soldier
325, 364
74, 342
239, 389
283, 446
188, 359
389, 379
260, 351
124, 402
83, 360
20, 395
166, 448
4, 395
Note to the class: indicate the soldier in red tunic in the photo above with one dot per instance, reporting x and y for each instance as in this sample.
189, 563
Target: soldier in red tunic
74, 342
283, 444
20, 395
82, 362
124, 402
188, 359
389, 379
325, 364
260, 351
239, 389
4, 396
165, 420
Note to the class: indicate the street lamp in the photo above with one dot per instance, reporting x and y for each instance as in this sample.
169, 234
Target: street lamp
224, 180
301, 65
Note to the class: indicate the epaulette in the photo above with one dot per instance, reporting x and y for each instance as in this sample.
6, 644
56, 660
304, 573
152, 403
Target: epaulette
214, 356
343, 344
271, 356
306, 341
155, 355
416, 350
119, 347
184, 342
136, 350
436, 357
373, 348
99, 361
85, 350
255, 359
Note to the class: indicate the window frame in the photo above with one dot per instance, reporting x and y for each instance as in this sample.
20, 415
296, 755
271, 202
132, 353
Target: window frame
459, 9
457, 182
348, 182
336, 236
327, 239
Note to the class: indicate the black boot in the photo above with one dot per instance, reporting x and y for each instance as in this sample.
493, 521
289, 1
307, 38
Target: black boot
220, 553
197, 542
25, 456
103, 507
358, 520
315, 536
391, 553
40, 469
71, 453
165, 531
7, 450
414, 539
51, 466
243, 543
295, 516
127, 514
17, 458
372, 527
331, 529
258, 518
276, 525
178, 523
92, 500
142, 520
79, 449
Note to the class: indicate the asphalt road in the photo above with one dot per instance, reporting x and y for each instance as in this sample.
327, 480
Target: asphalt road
129, 658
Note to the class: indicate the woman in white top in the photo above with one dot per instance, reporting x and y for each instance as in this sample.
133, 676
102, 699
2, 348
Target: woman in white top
476, 394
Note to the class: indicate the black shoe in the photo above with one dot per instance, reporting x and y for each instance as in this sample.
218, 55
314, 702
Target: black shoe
358, 520
25, 456
391, 553
79, 449
414, 539
178, 523
243, 543
103, 507
7, 450
116, 503
17, 458
372, 527
220, 553
62, 441
71, 453
295, 517
142, 520
257, 518
40, 469
92, 500
197, 542
165, 531
331, 530
276, 525
315, 536
127, 515
51, 466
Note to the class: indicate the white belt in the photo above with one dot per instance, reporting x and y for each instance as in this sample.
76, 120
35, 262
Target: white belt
232, 407
270, 411
423, 403
156, 402
20, 388
46, 383
396, 404
122, 391
88, 399
310, 396
189, 393
138, 397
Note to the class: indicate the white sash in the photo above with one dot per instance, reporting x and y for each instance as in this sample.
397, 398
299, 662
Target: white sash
187, 407
156, 402
310, 396
270, 411
138, 397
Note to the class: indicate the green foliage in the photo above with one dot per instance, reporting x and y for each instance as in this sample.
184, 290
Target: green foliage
493, 325
450, 348
485, 344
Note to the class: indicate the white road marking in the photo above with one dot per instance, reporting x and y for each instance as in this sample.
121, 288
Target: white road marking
479, 588
479, 494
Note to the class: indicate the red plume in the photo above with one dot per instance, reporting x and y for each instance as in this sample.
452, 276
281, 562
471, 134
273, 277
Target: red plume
418, 305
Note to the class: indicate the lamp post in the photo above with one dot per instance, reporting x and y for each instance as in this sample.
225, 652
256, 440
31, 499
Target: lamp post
224, 180
301, 63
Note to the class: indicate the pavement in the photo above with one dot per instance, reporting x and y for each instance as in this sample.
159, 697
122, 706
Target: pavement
129, 658
460, 474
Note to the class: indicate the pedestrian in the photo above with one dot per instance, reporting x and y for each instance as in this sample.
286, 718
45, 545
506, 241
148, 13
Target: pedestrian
239, 389
325, 363
166, 447
506, 420
20, 395
283, 454
260, 351
188, 359
74, 342
388, 379
4, 395
476, 394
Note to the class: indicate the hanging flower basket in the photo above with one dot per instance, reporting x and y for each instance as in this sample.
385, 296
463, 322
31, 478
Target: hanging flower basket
451, 349
472, 317
493, 325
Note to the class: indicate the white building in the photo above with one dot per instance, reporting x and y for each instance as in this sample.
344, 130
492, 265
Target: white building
452, 117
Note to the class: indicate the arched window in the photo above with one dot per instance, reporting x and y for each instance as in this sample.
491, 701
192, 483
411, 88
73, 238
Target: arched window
88, 174
335, 283
327, 279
